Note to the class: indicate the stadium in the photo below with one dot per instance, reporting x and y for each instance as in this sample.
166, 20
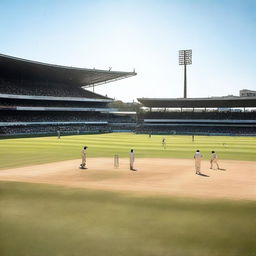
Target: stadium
51, 207
39, 98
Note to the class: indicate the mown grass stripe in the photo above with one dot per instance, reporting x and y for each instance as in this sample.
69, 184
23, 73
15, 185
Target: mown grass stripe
29, 151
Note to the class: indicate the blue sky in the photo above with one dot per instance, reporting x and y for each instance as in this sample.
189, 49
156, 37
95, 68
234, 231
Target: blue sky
145, 35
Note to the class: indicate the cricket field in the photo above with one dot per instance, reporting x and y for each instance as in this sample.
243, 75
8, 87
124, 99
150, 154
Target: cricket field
48, 206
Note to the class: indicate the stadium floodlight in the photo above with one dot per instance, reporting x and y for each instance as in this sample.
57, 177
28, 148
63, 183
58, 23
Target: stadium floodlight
185, 58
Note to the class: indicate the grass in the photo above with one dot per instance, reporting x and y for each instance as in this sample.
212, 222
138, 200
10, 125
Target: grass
39, 220
29, 151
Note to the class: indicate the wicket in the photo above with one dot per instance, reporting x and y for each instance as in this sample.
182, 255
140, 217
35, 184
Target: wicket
116, 161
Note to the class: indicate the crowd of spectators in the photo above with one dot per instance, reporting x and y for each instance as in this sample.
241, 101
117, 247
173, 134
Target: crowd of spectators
123, 126
50, 103
215, 115
53, 129
114, 122
37, 88
61, 116
82, 128
121, 119
49, 116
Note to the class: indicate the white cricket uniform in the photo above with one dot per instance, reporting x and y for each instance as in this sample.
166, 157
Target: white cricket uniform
198, 156
83, 155
214, 160
132, 159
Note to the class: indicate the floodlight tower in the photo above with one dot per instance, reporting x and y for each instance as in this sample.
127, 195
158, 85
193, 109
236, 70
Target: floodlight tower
185, 58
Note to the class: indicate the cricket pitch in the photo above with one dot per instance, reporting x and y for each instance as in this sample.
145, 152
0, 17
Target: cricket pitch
175, 177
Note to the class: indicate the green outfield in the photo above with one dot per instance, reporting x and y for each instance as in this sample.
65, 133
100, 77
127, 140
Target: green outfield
39, 220
30, 151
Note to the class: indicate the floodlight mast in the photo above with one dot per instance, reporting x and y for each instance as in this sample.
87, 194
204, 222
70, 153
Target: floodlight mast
185, 58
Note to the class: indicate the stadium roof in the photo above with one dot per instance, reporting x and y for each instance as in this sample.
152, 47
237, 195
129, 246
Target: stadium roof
215, 102
26, 69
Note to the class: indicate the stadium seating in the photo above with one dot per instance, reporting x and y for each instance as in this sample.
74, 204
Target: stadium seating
41, 110
214, 115
49, 103
39, 98
52, 129
44, 89
201, 122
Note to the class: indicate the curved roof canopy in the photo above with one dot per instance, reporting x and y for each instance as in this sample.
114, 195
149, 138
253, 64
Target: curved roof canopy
218, 102
12, 67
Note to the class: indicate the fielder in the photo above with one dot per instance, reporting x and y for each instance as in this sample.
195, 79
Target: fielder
83, 155
214, 160
164, 143
132, 159
198, 156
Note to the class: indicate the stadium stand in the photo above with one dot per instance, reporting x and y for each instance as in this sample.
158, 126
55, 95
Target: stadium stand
37, 88
219, 115
40, 98
211, 115
52, 129
12, 102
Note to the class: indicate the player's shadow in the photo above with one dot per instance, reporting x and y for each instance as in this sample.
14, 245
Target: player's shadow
203, 175
221, 169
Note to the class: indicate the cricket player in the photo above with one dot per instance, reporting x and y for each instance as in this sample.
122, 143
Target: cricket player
213, 160
58, 134
164, 142
198, 156
132, 159
83, 155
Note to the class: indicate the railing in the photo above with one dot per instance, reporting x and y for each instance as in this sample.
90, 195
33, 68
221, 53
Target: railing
50, 123
30, 97
198, 121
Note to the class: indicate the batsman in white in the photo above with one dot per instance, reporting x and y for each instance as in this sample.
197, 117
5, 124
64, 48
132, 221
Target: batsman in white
132, 159
198, 156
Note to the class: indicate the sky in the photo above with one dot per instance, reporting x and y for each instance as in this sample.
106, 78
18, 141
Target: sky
144, 35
